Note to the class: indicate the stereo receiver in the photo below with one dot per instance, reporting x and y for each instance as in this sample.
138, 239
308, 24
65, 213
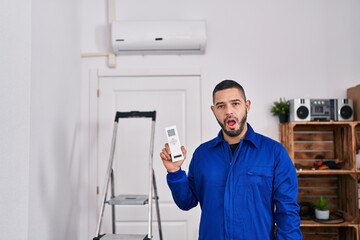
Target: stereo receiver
302, 109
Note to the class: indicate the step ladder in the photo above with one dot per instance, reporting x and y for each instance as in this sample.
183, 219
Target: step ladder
114, 200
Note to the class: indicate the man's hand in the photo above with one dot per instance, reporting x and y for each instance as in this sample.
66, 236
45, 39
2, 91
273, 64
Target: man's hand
165, 156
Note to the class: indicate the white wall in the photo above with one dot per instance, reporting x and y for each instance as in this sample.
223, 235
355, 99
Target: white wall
14, 117
43, 176
273, 48
58, 173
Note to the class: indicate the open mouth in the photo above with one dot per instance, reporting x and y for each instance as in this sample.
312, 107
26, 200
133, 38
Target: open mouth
231, 123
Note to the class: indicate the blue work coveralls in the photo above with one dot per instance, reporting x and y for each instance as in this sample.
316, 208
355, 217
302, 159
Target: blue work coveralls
241, 195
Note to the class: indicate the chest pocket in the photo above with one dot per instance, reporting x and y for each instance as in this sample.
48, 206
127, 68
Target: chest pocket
260, 178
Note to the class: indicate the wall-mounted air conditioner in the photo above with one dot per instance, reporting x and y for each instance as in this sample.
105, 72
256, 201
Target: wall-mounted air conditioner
153, 37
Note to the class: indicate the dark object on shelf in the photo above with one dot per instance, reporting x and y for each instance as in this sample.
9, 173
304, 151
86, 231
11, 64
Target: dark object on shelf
323, 165
283, 118
307, 211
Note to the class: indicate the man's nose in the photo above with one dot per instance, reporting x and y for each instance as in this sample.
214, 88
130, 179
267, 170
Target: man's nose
228, 110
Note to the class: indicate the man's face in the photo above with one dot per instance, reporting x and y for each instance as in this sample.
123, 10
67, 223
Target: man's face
230, 110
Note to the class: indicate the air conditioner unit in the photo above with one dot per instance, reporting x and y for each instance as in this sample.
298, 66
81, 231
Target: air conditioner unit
153, 37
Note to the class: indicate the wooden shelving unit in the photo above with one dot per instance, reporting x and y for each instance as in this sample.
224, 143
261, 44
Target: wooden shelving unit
336, 144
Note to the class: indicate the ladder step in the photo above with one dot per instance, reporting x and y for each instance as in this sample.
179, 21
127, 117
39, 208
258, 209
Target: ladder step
129, 200
123, 237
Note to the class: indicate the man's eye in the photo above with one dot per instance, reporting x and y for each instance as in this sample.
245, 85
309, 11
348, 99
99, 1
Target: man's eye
220, 106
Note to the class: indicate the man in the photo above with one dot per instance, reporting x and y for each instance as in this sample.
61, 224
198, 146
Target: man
245, 182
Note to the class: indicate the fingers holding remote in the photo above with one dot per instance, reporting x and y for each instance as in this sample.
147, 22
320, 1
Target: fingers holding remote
170, 165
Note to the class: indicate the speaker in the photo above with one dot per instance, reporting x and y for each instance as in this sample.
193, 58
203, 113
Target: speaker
299, 110
345, 110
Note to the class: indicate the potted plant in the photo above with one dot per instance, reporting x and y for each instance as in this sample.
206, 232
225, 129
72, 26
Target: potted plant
321, 208
281, 108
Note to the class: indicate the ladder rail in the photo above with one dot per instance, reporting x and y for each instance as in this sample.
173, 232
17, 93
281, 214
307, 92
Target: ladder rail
107, 179
156, 197
113, 216
150, 182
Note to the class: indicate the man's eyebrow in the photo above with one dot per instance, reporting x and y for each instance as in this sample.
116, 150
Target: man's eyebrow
232, 101
219, 103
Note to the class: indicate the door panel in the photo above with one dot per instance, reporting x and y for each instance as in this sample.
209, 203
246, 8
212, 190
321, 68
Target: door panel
176, 100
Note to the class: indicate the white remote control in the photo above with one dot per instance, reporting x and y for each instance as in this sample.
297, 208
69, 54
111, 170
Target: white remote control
174, 143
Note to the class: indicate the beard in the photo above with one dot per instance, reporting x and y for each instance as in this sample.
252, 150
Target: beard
235, 132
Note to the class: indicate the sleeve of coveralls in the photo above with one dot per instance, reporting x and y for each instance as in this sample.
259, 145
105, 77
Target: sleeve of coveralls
287, 216
180, 190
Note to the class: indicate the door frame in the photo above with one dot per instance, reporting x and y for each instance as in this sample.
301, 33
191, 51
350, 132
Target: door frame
94, 76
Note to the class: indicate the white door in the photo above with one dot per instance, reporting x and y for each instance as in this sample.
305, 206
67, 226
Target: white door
176, 100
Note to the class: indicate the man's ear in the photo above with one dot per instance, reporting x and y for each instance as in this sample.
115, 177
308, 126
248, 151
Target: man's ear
248, 105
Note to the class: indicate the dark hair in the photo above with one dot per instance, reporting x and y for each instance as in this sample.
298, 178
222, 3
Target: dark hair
226, 84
